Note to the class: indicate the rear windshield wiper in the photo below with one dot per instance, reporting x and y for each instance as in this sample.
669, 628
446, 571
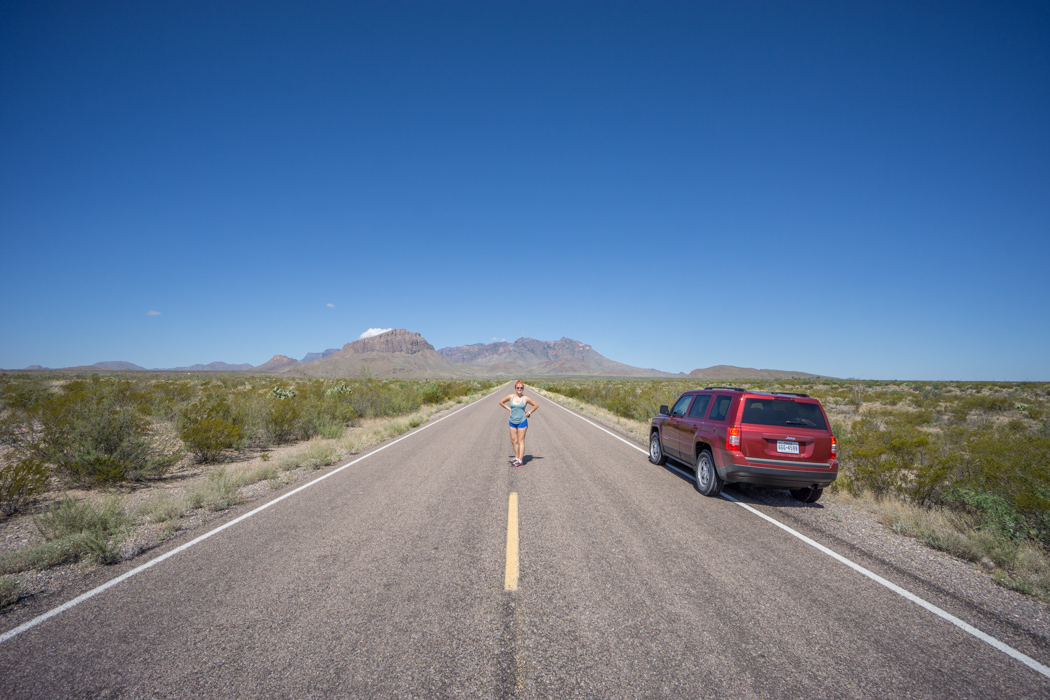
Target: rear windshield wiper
799, 421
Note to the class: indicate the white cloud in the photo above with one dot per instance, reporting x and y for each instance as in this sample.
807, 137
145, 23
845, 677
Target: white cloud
330, 306
153, 313
372, 332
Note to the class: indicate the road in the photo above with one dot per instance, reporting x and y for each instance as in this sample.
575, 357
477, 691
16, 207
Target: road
387, 579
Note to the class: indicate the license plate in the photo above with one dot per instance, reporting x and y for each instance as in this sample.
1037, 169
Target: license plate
785, 447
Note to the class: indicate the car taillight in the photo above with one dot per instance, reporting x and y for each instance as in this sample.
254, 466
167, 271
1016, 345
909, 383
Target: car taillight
733, 440
834, 447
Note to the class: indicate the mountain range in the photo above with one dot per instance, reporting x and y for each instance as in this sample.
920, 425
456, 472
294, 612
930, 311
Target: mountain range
402, 353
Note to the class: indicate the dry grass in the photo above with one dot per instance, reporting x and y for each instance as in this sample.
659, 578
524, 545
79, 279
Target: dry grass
1014, 563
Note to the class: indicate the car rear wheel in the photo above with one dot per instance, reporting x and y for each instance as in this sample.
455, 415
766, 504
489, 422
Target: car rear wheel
656, 450
810, 494
707, 480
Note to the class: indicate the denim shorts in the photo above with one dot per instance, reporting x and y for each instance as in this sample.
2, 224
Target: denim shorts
523, 424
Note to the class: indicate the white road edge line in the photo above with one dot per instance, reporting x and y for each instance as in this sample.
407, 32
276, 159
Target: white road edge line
167, 555
943, 614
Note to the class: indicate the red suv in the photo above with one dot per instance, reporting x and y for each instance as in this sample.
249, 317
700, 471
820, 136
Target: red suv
730, 435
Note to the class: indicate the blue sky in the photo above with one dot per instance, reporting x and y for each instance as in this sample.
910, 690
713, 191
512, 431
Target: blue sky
853, 189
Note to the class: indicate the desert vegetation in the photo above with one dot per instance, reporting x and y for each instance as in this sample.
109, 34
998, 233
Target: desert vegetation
963, 466
104, 438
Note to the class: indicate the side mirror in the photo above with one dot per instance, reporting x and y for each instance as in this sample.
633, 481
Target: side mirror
663, 410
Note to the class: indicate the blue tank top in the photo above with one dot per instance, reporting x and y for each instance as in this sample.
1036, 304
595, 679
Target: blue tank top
517, 411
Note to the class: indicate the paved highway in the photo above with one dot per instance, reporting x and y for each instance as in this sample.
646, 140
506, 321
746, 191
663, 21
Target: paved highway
388, 578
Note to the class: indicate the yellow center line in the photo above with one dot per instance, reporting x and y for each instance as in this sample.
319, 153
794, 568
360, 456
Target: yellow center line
510, 582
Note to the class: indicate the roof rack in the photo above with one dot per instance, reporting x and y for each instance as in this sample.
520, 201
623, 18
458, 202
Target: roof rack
791, 393
727, 388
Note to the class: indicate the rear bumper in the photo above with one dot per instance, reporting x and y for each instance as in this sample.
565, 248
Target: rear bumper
764, 473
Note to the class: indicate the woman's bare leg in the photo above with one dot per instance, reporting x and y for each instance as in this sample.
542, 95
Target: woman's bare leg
519, 447
514, 441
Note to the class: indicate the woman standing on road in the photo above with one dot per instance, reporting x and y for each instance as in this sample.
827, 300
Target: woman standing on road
518, 405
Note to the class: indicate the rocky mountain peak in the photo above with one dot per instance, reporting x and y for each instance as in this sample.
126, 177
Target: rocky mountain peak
398, 340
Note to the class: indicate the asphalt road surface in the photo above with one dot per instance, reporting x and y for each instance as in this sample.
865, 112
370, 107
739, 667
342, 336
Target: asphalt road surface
388, 579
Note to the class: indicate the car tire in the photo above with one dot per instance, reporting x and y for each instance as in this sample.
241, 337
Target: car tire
656, 450
810, 494
707, 480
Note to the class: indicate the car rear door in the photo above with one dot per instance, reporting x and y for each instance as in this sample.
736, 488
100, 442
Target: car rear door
693, 426
716, 425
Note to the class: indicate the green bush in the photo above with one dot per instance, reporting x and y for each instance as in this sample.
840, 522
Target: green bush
282, 420
994, 511
21, 482
23, 392
210, 426
93, 432
168, 399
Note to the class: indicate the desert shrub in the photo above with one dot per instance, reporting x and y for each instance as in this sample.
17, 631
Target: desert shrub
325, 411
379, 399
168, 399
329, 430
266, 472
21, 482
991, 404
282, 420
43, 556
93, 432
253, 410
433, 392
162, 509
210, 426
313, 458
995, 512
635, 400
23, 392
857, 393
68, 516
8, 591
219, 491
1013, 467
999, 476
73, 530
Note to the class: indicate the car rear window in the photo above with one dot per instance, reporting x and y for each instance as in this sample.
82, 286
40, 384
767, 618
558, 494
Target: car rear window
721, 407
783, 413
